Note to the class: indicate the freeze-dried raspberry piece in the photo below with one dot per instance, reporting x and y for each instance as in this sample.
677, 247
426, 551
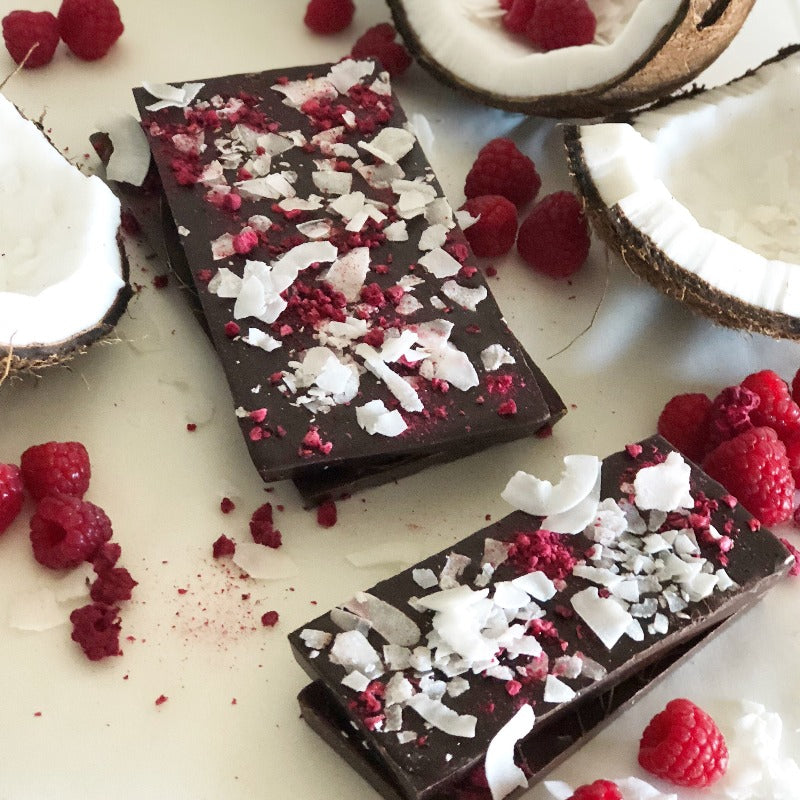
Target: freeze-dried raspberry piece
379, 42
56, 468
112, 586
683, 744
327, 514
262, 528
12, 495
561, 23
598, 790
96, 629
329, 16
89, 27
66, 531
683, 423
223, 547
777, 409
501, 168
554, 237
518, 15
494, 233
106, 557
269, 619
754, 468
730, 414
24, 29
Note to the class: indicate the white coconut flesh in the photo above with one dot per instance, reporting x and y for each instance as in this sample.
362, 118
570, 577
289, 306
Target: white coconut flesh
469, 40
60, 265
712, 182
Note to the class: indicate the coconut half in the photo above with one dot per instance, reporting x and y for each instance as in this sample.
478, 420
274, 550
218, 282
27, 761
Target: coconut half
701, 195
63, 275
643, 50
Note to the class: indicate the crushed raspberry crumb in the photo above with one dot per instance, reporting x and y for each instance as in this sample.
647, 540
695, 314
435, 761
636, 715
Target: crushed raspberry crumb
106, 557
96, 628
496, 229
754, 468
112, 586
329, 16
776, 408
270, 619
226, 505
501, 168
223, 547
379, 42
161, 281
327, 514
66, 531
554, 238
682, 423
89, 27
561, 23
544, 551
507, 409
56, 467
161, 699
12, 494
232, 329
262, 528
23, 30
598, 790
682, 744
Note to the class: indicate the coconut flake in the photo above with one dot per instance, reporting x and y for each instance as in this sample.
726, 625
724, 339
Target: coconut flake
556, 691
604, 616
169, 96
502, 774
495, 356
396, 231
356, 681
348, 72
348, 273
390, 145
263, 563
464, 296
665, 486
374, 417
453, 569
130, 159
432, 237
351, 650
440, 263
435, 713
314, 639
386, 619
36, 610
329, 182
259, 338
424, 578
536, 584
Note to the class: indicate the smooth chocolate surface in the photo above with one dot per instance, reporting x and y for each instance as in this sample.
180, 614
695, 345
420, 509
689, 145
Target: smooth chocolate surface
209, 154
431, 763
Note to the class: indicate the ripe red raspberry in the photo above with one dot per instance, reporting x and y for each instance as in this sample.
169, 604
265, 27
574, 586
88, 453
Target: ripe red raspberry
96, 629
730, 414
754, 468
599, 790
89, 27
518, 15
561, 23
682, 424
496, 229
792, 445
379, 42
56, 468
11, 494
554, 237
796, 387
682, 744
777, 409
329, 16
501, 168
66, 531
24, 29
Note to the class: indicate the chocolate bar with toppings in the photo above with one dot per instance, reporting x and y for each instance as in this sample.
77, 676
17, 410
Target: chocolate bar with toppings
458, 665
359, 339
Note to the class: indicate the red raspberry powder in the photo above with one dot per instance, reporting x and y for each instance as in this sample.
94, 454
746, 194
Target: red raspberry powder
544, 551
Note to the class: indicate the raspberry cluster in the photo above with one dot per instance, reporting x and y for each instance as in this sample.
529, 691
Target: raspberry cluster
88, 27
66, 530
747, 438
550, 24
554, 236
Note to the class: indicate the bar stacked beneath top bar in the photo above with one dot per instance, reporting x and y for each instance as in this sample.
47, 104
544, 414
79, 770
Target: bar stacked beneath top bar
360, 340
427, 668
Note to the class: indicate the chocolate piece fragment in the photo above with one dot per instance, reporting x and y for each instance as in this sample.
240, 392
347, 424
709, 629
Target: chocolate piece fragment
598, 609
359, 340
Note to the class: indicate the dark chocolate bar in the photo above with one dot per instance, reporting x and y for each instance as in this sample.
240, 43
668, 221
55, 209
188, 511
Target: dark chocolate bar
426, 692
359, 339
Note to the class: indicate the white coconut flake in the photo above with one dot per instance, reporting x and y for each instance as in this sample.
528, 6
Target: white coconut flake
264, 563
465, 219
464, 296
502, 774
495, 356
374, 417
390, 145
171, 96
36, 610
396, 231
556, 691
440, 263
388, 620
348, 273
314, 639
130, 159
435, 713
424, 578
432, 237
259, 338
536, 584
315, 228
351, 650
604, 616
453, 569
333, 182
356, 681
665, 486
348, 72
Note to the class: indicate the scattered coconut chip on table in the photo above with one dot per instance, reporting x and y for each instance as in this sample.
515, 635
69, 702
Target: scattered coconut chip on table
550, 620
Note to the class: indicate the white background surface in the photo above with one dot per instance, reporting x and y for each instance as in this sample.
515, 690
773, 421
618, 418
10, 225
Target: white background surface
72, 729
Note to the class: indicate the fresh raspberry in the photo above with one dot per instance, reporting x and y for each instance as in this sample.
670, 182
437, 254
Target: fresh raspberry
518, 15
682, 744
683, 423
554, 237
96, 629
66, 531
269, 619
379, 42
792, 445
505, 4
496, 229
561, 23
754, 468
777, 409
501, 168
11, 494
24, 29
112, 586
796, 387
730, 414
89, 27
329, 16
262, 529
56, 468
599, 790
